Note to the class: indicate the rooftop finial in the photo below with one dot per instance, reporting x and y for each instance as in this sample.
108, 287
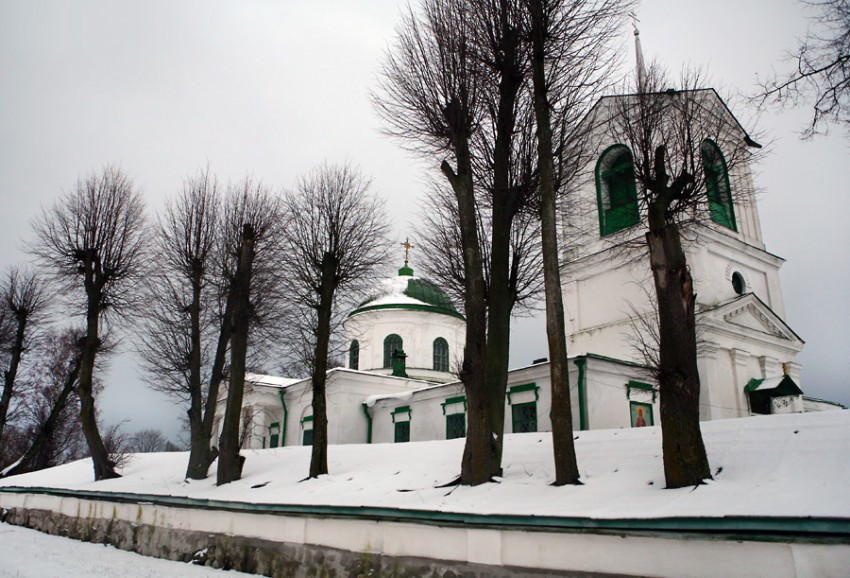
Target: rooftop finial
407, 247
406, 271
641, 67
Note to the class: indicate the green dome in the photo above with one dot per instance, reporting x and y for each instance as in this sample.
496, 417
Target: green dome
410, 293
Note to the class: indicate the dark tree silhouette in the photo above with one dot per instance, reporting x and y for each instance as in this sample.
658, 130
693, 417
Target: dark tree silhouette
186, 327
23, 299
91, 242
335, 239
570, 57
682, 183
251, 264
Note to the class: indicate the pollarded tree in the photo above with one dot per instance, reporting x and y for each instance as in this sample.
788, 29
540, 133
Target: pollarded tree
335, 240
249, 258
92, 243
22, 300
570, 56
185, 330
452, 85
685, 143
822, 69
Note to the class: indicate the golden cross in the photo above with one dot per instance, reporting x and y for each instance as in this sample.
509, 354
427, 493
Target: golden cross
407, 247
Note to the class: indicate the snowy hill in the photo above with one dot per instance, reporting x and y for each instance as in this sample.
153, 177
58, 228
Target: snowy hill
782, 465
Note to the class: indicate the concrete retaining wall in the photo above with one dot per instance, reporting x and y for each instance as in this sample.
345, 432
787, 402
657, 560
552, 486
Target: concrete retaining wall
321, 544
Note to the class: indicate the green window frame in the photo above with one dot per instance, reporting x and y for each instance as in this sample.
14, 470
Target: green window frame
402, 432
641, 414
524, 417
307, 435
354, 355
274, 434
441, 354
392, 343
616, 192
455, 426
717, 187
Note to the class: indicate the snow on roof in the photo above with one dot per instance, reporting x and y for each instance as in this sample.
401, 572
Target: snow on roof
406, 291
776, 465
271, 380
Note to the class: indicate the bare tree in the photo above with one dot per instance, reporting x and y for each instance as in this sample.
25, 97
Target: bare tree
22, 300
49, 421
250, 262
91, 241
822, 69
148, 440
186, 327
335, 239
570, 56
453, 84
685, 142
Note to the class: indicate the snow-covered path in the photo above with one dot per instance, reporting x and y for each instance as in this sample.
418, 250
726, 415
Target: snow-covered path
29, 554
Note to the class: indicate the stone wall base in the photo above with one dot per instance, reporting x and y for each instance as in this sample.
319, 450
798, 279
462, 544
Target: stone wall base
255, 555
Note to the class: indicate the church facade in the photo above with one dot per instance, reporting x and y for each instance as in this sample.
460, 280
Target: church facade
406, 340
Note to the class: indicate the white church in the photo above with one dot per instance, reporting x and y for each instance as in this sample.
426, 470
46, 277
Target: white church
405, 340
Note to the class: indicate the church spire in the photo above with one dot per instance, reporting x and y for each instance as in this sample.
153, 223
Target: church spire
641, 66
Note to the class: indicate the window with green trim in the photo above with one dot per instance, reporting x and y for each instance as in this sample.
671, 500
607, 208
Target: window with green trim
616, 193
717, 185
354, 355
455, 426
274, 434
524, 417
392, 343
441, 354
402, 432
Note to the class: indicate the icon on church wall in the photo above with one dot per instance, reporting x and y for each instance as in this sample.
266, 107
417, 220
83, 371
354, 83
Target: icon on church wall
641, 414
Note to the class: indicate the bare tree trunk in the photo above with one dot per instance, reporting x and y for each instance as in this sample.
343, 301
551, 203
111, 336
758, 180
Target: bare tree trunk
561, 415
229, 460
319, 458
477, 463
47, 429
195, 411
685, 460
502, 293
104, 468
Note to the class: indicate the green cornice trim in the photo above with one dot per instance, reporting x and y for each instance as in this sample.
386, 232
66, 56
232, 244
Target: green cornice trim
409, 307
639, 385
780, 529
453, 400
525, 387
581, 362
402, 410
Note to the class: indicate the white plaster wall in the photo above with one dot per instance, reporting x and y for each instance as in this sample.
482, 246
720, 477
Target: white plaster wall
545, 550
418, 330
607, 396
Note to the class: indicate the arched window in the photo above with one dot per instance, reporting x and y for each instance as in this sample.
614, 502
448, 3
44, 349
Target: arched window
392, 343
616, 193
441, 354
717, 185
354, 355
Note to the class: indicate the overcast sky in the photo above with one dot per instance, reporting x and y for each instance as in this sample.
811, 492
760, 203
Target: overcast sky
272, 88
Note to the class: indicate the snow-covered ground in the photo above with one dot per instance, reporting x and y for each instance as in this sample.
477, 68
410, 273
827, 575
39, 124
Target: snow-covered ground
782, 465
27, 553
